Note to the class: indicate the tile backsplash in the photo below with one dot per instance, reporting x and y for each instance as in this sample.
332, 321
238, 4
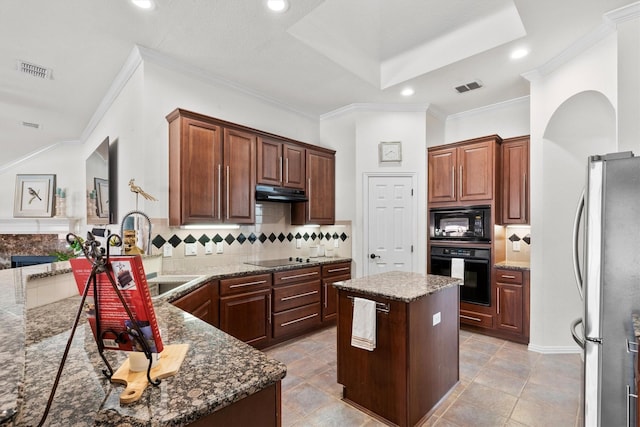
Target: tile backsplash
521, 234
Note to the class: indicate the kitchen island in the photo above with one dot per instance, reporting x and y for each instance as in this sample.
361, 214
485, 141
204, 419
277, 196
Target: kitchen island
415, 361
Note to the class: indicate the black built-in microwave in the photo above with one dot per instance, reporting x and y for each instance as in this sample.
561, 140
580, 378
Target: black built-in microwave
460, 224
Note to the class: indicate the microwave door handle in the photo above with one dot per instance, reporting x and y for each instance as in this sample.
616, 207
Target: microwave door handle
576, 254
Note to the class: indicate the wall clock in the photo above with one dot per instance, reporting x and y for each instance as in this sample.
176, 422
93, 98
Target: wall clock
390, 151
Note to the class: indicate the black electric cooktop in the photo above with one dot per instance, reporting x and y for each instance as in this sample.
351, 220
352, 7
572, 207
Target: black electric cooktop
279, 262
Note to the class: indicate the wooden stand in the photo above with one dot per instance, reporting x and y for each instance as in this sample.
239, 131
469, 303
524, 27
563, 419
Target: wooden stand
168, 365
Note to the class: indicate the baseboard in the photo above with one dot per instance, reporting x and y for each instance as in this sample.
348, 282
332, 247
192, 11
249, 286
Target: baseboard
560, 349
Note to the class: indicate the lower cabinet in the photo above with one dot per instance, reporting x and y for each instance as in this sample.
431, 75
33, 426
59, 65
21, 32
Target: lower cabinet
330, 274
296, 302
202, 303
245, 308
512, 302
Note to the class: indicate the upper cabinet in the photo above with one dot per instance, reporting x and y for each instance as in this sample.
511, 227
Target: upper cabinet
320, 189
515, 180
211, 171
280, 164
463, 173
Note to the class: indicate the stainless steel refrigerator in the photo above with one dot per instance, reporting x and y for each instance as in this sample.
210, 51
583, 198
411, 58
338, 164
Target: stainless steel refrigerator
609, 284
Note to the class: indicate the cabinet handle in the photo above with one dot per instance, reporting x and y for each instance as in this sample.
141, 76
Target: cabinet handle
333, 270
306, 294
524, 196
240, 285
313, 273
286, 169
498, 302
298, 320
475, 319
504, 276
269, 308
219, 191
228, 192
326, 294
453, 181
281, 171
309, 197
460, 195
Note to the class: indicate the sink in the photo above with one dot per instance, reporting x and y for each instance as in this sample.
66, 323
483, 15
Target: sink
164, 283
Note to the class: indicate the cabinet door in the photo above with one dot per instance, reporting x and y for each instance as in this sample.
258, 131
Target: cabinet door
199, 174
294, 166
320, 209
515, 186
240, 176
247, 316
202, 303
330, 297
475, 171
270, 162
442, 175
510, 307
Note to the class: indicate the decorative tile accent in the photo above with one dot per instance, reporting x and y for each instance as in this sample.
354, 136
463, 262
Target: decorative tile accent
335, 236
272, 237
229, 239
175, 241
305, 236
189, 239
281, 237
327, 236
252, 238
158, 241
298, 236
217, 238
313, 236
241, 238
514, 238
343, 237
527, 239
289, 237
262, 238
203, 239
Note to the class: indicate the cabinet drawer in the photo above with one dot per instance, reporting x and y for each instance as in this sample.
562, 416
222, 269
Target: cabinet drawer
286, 297
296, 320
245, 284
508, 276
296, 275
476, 319
336, 269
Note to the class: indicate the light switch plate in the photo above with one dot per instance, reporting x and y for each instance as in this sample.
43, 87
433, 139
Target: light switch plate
190, 249
208, 248
167, 250
336, 243
436, 318
298, 243
516, 246
219, 248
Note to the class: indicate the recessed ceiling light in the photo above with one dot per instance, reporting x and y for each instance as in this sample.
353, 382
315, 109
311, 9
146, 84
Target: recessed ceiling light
278, 5
519, 53
407, 91
144, 4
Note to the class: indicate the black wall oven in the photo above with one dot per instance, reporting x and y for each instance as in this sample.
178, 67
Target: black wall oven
472, 263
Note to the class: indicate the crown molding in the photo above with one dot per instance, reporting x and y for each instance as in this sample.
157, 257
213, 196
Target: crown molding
35, 153
487, 108
373, 107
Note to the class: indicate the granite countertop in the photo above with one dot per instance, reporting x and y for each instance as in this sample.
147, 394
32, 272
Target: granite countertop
399, 286
635, 317
514, 265
218, 369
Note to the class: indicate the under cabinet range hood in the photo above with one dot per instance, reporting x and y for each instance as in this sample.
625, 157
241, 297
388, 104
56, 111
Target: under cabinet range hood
266, 193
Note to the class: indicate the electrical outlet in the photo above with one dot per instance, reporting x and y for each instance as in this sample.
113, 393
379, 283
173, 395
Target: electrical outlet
219, 248
167, 250
516, 246
208, 248
298, 243
190, 249
436, 318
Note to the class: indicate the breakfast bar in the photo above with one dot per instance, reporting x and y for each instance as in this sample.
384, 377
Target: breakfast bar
414, 362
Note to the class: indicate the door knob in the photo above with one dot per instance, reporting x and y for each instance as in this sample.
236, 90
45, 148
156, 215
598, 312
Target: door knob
374, 256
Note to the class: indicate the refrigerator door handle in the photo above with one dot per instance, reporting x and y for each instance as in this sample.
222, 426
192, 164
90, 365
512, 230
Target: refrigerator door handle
629, 397
578, 339
576, 254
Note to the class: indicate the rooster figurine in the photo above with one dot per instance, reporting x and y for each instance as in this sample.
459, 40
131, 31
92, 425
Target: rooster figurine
135, 189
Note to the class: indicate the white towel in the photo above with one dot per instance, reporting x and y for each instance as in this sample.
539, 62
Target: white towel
363, 329
457, 268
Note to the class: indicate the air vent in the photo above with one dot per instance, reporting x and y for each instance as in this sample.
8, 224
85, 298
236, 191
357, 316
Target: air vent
31, 125
34, 70
469, 86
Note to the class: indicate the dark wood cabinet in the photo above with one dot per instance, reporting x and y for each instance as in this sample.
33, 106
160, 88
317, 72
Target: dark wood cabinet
245, 308
463, 173
320, 189
280, 164
512, 303
332, 273
202, 303
211, 171
515, 180
296, 301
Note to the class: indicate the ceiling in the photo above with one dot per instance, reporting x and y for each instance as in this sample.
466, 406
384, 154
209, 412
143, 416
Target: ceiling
318, 57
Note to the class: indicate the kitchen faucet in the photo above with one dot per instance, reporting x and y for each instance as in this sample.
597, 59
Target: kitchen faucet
130, 234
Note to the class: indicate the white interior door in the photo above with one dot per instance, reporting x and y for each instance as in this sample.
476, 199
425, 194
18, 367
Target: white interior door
390, 224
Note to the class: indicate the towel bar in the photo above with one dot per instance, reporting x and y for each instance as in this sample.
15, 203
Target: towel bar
380, 306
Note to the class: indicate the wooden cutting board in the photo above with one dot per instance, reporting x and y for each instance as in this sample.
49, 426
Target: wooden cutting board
169, 364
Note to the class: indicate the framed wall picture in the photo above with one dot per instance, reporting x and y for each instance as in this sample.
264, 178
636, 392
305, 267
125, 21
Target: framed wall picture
390, 151
102, 197
34, 196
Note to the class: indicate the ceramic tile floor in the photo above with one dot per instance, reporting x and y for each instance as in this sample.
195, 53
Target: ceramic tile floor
501, 384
